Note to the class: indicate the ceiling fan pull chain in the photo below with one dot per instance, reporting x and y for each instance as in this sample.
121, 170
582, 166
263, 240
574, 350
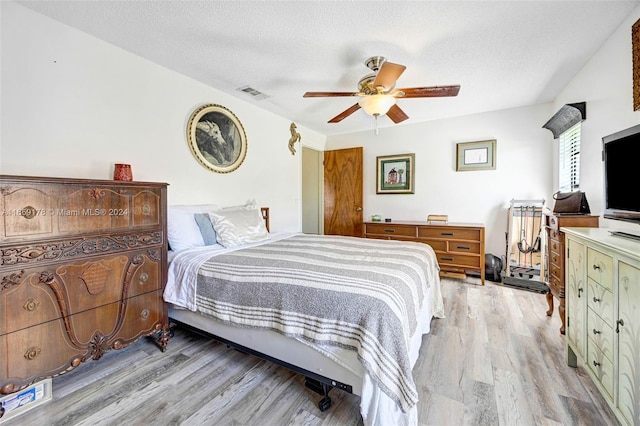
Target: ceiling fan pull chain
375, 121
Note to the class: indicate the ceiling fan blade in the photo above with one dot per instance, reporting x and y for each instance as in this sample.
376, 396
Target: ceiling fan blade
328, 94
388, 74
396, 114
430, 92
344, 114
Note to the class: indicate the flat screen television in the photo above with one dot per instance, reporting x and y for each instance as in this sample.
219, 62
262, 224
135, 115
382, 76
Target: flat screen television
621, 156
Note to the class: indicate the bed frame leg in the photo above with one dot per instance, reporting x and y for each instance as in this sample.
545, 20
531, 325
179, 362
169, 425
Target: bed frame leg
321, 389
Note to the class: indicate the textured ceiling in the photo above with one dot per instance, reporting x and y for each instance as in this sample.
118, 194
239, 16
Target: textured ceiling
504, 54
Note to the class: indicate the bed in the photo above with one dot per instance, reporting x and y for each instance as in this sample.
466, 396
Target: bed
344, 312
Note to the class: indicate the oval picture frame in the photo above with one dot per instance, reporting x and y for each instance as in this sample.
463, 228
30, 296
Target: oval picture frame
216, 138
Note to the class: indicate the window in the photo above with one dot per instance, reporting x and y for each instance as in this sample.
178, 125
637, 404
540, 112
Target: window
569, 159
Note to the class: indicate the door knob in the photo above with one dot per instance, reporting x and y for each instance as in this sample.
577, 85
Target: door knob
358, 209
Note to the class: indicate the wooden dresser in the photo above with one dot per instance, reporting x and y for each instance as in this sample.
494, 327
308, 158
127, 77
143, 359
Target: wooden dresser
459, 247
555, 277
84, 265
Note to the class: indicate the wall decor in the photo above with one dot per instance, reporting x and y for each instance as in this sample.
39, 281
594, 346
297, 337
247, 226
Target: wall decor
295, 137
216, 138
395, 174
476, 155
635, 42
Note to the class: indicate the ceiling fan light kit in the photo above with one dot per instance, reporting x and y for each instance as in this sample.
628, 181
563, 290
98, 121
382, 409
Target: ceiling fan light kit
377, 94
375, 105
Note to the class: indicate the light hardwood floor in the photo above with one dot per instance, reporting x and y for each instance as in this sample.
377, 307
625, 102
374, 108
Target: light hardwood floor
496, 359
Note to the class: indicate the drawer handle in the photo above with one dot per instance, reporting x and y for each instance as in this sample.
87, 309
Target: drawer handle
144, 277
580, 290
389, 230
596, 331
595, 299
32, 353
596, 267
553, 221
448, 258
146, 209
596, 364
446, 233
144, 314
464, 247
31, 305
618, 324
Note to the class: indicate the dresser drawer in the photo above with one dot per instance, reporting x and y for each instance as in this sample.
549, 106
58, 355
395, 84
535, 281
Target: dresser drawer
458, 260
602, 368
461, 247
119, 323
390, 229
25, 302
600, 300
556, 271
143, 316
39, 294
104, 207
27, 211
600, 268
555, 245
600, 334
41, 209
464, 247
556, 265
36, 352
556, 285
106, 280
436, 245
449, 233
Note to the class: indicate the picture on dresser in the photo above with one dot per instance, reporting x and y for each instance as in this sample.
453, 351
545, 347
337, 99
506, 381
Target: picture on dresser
216, 138
395, 174
476, 155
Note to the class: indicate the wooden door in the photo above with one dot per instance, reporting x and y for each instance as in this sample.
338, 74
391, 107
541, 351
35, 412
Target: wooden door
343, 192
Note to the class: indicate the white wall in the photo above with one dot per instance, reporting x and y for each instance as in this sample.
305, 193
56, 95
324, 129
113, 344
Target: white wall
73, 105
606, 84
523, 169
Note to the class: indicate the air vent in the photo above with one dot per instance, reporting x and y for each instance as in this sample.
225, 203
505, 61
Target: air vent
255, 94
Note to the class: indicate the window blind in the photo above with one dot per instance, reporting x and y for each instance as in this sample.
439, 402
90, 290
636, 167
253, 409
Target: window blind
569, 159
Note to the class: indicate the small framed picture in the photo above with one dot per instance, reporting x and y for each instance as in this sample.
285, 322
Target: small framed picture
476, 156
395, 174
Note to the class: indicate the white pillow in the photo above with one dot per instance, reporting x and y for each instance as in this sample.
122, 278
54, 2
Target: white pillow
239, 226
182, 229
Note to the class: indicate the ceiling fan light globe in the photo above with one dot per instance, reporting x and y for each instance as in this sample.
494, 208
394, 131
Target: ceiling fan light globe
377, 104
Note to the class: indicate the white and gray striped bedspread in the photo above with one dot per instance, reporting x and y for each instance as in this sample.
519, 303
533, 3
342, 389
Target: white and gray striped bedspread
357, 293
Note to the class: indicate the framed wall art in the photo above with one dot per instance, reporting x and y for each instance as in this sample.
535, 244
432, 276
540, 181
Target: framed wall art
395, 174
476, 155
216, 138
